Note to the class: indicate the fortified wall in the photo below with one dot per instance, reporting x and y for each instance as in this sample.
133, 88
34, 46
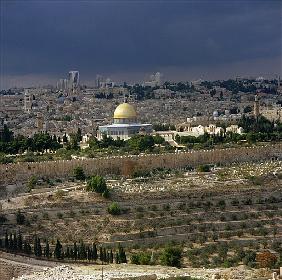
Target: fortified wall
126, 165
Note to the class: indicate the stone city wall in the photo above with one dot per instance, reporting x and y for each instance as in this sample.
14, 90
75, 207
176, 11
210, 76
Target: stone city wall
126, 165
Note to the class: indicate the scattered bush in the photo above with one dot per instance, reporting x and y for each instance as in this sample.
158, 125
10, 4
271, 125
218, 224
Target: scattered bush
114, 209
45, 216
59, 194
79, 173
32, 182
141, 258
204, 168
98, 184
20, 217
171, 256
141, 173
3, 219
60, 215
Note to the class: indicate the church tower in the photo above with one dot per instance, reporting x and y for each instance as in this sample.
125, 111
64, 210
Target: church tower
256, 107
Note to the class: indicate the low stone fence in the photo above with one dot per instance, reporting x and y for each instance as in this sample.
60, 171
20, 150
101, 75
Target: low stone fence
127, 165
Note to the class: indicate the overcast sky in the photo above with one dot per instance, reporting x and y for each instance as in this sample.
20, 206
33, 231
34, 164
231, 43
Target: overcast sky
128, 40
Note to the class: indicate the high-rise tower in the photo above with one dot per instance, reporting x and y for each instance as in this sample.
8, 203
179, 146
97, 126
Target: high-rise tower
73, 82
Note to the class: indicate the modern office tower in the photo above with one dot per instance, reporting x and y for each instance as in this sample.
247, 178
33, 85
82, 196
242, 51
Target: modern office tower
27, 101
158, 78
73, 82
99, 80
73, 79
62, 84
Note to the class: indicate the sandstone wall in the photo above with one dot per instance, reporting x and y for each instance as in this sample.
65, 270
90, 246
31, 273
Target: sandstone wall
126, 165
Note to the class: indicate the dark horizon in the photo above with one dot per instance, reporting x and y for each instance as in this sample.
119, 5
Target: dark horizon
127, 41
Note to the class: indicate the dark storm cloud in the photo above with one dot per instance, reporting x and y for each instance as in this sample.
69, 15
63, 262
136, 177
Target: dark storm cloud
50, 37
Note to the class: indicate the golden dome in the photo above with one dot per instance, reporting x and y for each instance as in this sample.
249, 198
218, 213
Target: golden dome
125, 111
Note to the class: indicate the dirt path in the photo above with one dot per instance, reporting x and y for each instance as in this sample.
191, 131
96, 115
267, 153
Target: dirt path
15, 265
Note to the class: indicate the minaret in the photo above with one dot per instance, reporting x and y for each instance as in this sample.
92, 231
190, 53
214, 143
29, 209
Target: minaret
256, 107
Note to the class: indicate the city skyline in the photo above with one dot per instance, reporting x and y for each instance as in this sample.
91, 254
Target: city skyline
128, 41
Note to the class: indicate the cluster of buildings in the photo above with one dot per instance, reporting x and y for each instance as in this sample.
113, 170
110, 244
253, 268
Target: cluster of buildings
69, 85
154, 81
125, 125
102, 83
30, 110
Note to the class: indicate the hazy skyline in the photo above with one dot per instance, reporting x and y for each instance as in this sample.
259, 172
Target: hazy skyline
127, 40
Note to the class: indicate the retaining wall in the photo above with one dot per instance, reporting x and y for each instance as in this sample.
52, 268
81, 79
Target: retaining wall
126, 165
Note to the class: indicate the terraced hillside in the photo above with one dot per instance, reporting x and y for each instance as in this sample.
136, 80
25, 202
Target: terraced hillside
214, 216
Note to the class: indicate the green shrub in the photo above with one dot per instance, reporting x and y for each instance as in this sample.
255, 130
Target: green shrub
221, 204
204, 168
97, 184
79, 173
171, 256
114, 209
20, 217
60, 215
45, 216
59, 194
32, 182
3, 219
141, 258
141, 173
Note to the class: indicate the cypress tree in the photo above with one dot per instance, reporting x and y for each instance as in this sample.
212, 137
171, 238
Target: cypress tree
58, 250
101, 254
39, 247
11, 242
82, 250
29, 251
47, 249
75, 250
6, 241
117, 258
25, 249
67, 254
104, 255
35, 246
122, 255
15, 242
20, 242
71, 254
95, 253
111, 258
89, 254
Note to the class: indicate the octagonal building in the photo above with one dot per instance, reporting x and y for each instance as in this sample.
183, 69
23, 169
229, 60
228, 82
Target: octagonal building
125, 124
